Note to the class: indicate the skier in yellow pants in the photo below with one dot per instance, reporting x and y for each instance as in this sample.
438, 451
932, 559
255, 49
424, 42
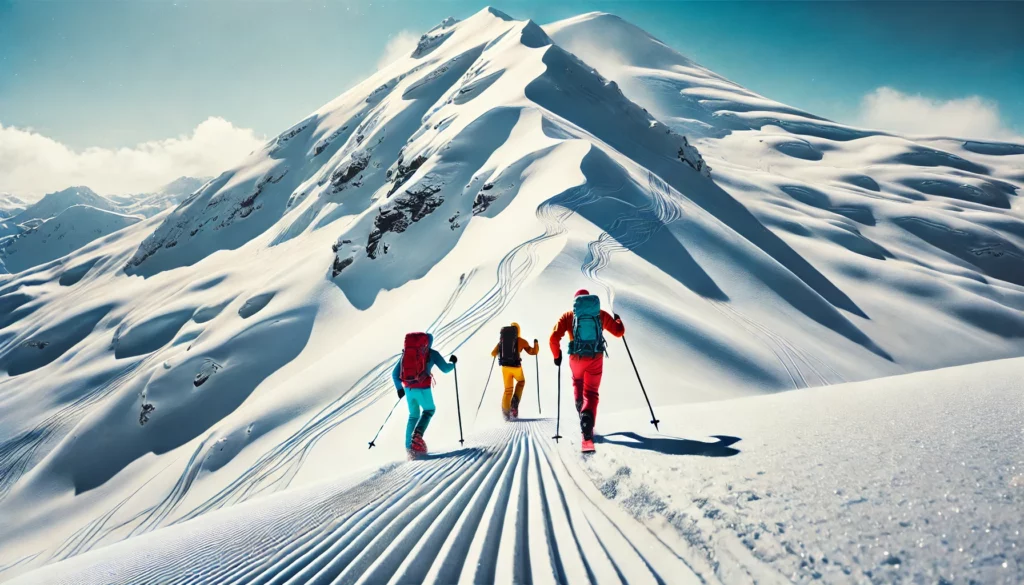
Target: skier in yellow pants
507, 351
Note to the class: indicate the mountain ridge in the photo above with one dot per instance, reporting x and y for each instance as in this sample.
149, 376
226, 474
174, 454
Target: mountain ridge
239, 344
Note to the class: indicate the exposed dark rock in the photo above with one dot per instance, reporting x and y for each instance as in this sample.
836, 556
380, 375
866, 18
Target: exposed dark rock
401, 172
406, 210
482, 201
356, 165
208, 369
340, 264
144, 414
429, 42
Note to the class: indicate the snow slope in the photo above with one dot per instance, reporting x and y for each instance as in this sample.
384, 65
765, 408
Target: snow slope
25, 243
68, 231
865, 482
241, 344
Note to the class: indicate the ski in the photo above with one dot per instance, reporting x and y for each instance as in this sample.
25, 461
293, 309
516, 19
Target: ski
588, 446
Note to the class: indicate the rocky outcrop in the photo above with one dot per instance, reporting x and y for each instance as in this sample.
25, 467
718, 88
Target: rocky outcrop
406, 210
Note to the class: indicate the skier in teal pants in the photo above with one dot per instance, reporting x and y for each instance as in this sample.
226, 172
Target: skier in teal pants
413, 380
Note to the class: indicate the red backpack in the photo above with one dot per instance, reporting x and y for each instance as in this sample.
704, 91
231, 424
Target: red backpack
416, 361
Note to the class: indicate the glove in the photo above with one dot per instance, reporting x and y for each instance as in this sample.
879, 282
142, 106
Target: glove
558, 360
453, 359
401, 393
617, 318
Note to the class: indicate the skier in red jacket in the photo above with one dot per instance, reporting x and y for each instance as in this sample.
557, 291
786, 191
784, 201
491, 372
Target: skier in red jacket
586, 360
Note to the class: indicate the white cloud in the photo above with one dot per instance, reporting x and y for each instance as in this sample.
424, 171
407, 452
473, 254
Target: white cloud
969, 117
32, 164
399, 45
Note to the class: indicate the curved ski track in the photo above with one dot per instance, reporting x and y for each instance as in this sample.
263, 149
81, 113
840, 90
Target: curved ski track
629, 231
275, 469
515, 509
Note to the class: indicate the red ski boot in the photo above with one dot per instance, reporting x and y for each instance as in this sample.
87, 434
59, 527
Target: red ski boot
419, 446
587, 430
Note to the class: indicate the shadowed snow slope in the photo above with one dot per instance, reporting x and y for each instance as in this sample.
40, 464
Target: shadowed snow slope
61, 235
242, 343
906, 476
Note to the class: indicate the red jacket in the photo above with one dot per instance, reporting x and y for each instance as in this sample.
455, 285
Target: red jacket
564, 325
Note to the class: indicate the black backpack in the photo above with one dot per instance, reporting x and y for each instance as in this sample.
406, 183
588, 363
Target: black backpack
508, 347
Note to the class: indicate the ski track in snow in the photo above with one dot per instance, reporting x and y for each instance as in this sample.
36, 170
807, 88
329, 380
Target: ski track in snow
632, 230
515, 509
21, 453
274, 470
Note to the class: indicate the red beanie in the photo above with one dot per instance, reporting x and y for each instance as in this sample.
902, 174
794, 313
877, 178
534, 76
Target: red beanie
581, 292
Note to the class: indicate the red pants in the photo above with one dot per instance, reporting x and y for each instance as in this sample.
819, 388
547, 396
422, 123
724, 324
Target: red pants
586, 379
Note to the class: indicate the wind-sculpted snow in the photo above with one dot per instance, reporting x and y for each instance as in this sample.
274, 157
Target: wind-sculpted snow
163, 382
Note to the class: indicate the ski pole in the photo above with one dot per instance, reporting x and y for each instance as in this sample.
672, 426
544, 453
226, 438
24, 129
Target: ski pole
558, 406
372, 445
536, 362
486, 384
654, 420
458, 407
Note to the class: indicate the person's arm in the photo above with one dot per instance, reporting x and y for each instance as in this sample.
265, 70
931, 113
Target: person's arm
561, 328
612, 325
494, 352
440, 362
525, 346
396, 376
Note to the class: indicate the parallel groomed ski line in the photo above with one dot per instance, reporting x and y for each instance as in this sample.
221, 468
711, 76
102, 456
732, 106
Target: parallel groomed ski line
513, 508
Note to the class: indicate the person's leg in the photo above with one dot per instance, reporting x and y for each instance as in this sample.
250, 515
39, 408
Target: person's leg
578, 366
520, 379
591, 387
506, 399
426, 400
414, 415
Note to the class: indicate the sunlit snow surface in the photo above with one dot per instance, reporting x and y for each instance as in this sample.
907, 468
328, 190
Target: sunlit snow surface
220, 368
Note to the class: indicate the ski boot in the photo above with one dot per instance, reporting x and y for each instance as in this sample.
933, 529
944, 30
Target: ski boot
506, 414
419, 446
514, 412
587, 430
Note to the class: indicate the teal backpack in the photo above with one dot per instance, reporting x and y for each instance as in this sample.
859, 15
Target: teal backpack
587, 332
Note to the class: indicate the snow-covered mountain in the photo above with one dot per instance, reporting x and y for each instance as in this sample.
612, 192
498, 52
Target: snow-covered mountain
10, 205
184, 369
168, 196
29, 237
53, 204
59, 236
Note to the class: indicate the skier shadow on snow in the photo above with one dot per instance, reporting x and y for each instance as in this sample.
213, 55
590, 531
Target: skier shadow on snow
674, 445
464, 452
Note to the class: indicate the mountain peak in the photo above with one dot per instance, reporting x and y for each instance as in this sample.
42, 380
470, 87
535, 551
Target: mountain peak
495, 12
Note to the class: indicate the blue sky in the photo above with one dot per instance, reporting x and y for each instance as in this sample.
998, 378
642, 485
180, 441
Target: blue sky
114, 73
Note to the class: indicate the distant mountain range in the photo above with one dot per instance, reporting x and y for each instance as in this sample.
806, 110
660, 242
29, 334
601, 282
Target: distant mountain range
64, 221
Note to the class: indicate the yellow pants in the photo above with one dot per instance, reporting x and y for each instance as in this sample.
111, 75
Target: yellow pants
511, 396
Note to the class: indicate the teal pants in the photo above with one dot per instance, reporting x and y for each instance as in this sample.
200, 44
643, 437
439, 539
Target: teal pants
421, 409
